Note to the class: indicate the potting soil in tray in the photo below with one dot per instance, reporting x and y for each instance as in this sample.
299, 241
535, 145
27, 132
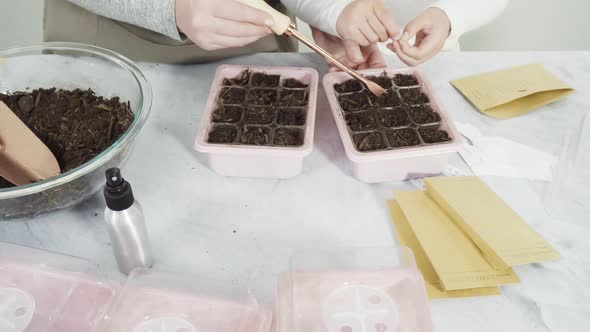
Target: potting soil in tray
76, 125
255, 108
402, 117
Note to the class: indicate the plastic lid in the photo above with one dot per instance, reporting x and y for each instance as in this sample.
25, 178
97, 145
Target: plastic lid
42, 291
154, 301
117, 191
568, 196
353, 290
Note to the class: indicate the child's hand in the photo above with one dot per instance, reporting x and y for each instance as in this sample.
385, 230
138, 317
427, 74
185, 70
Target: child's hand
366, 22
431, 29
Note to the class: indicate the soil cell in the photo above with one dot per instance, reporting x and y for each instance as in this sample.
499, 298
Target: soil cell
227, 114
260, 115
405, 80
265, 81
291, 117
76, 125
402, 137
240, 80
348, 86
292, 83
396, 117
354, 102
388, 99
223, 134
414, 96
255, 135
262, 97
434, 134
293, 97
382, 80
288, 136
362, 121
232, 96
369, 141
423, 115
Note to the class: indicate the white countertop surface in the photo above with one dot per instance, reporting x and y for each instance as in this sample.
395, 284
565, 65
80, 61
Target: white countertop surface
246, 229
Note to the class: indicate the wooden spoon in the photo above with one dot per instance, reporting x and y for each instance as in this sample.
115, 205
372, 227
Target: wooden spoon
23, 157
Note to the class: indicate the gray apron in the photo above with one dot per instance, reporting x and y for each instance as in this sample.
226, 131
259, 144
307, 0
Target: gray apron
66, 22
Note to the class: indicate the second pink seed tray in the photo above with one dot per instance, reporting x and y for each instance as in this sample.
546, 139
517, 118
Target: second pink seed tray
394, 164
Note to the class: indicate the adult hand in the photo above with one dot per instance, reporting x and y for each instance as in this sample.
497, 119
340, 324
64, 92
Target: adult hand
348, 52
431, 29
217, 24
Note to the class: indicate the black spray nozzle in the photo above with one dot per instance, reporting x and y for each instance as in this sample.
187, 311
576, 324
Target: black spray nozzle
114, 178
117, 192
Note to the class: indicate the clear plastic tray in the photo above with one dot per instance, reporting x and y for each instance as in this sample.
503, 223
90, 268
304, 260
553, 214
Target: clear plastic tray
394, 163
568, 195
162, 302
353, 290
47, 292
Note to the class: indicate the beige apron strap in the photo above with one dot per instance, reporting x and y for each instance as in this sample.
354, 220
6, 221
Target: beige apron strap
67, 22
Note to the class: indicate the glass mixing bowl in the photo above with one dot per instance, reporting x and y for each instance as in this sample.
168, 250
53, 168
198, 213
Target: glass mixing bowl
71, 66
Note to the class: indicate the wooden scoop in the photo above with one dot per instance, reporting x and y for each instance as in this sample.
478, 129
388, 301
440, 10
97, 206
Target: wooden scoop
283, 25
23, 157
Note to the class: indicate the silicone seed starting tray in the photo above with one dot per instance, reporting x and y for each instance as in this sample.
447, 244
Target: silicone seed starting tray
257, 117
403, 134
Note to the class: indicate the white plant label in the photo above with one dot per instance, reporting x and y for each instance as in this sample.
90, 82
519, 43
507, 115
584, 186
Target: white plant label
16, 309
165, 324
360, 309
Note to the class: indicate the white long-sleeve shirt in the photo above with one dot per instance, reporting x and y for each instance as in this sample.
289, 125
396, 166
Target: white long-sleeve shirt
159, 15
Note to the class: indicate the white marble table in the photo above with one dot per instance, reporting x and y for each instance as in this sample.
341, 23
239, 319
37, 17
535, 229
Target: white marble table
245, 229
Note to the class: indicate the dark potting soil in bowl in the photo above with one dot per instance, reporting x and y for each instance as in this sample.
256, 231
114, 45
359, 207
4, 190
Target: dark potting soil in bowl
76, 125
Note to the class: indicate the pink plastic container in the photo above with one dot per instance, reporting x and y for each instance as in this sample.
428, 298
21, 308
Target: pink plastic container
160, 302
391, 163
47, 292
242, 160
359, 290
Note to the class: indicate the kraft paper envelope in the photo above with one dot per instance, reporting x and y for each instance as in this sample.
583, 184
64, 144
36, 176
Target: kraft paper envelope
512, 92
433, 285
500, 233
457, 261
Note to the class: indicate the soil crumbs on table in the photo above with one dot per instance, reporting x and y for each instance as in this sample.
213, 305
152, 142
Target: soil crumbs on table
76, 125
